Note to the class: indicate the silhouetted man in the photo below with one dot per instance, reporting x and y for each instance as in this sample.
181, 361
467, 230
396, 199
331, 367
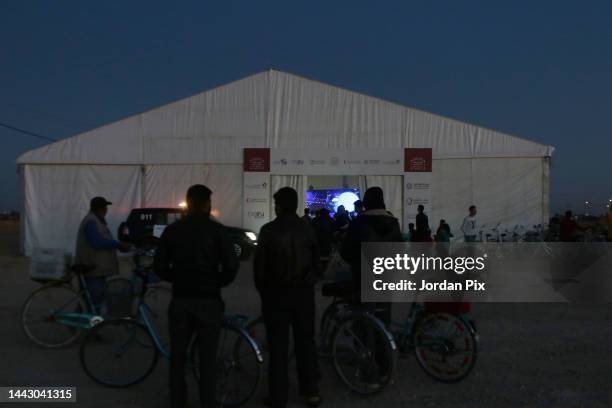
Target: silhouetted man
341, 218
324, 227
359, 208
197, 256
422, 225
286, 265
306, 216
569, 228
96, 250
375, 224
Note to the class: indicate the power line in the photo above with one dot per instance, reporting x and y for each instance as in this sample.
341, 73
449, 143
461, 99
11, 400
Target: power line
38, 112
27, 132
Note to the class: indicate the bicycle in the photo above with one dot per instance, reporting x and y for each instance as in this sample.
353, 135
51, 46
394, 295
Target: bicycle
56, 314
444, 344
124, 351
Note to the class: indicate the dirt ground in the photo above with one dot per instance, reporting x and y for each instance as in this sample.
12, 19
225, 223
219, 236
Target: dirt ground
531, 355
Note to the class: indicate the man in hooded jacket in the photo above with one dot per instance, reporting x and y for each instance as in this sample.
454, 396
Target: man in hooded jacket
375, 224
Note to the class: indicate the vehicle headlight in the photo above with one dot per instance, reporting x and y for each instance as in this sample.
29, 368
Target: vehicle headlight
251, 235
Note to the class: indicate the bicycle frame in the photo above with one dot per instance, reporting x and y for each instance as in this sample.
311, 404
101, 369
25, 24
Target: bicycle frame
143, 314
236, 321
82, 320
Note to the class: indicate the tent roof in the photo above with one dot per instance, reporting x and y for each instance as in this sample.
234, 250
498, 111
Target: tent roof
275, 109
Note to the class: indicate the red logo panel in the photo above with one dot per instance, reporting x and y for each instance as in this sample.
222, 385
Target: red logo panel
417, 160
257, 159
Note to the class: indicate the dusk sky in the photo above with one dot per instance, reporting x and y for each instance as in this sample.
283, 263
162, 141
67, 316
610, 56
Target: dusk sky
539, 70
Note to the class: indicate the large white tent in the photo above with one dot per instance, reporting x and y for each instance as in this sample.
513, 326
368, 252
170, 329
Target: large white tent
149, 159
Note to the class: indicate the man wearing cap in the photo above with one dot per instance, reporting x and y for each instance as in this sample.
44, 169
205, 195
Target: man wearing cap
96, 250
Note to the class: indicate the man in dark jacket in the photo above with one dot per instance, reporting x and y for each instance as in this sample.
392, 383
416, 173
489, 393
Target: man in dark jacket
324, 227
422, 225
375, 224
341, 218
197, 256
286, 265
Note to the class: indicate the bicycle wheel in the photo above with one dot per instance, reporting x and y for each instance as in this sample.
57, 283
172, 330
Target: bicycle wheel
257, 330
363, 354
445, 346
239, 366
112, 353
331, 315
42, 311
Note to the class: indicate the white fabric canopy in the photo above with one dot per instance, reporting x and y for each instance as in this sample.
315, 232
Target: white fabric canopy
166, 186
151, 158
276, 109
56, 198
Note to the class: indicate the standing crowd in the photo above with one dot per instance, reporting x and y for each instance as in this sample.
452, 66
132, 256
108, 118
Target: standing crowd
196, 256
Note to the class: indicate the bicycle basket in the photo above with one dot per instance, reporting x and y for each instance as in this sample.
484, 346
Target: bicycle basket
49, 264
120, 298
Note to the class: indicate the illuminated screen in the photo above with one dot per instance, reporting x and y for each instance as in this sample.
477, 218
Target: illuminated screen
331, 199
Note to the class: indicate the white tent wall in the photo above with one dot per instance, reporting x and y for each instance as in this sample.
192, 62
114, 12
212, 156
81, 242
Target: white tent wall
166, 186
211, 127
508, 191
56, 197
277, 110
502, 174
306, 113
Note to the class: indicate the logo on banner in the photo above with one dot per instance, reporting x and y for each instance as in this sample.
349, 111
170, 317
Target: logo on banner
256, 214
417, 164
417, 201
256, 200
258, 186
257, 159
408, 186
417, 160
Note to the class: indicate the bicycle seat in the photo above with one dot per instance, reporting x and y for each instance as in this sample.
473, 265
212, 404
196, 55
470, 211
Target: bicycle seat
341, 289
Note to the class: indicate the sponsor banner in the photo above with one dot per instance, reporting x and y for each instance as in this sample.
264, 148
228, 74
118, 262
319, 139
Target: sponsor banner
417, 160
256, 200
336, 162
418, 178
257, 159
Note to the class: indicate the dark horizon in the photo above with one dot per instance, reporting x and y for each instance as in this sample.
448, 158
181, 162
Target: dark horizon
68, 70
